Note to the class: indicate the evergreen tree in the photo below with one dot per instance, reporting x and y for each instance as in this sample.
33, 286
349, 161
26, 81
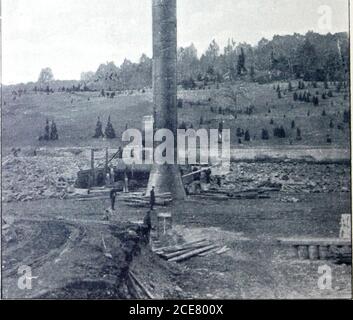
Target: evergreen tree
109, 130
99, 129
247, 135
299, 134
241, 62
264, 135
315, 101
46, 131
239, 132
53, 132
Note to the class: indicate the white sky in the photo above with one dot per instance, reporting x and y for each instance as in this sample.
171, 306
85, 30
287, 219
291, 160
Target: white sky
71, 36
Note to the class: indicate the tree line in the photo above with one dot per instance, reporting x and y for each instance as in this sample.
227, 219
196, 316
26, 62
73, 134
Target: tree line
311, 57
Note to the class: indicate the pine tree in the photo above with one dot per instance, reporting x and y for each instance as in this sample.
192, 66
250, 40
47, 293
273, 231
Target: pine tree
299, 134
99, 129
247, 135
46, 131
239, 132
265, 135
53, 132
241, 62
109, 130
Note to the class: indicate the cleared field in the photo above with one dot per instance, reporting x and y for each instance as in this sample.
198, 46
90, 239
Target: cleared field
76, 115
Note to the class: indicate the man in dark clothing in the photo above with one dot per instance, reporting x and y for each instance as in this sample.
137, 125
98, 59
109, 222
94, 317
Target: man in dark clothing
112, 198
152, 198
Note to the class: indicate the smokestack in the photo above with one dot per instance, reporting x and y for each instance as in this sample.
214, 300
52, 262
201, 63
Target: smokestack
165, 178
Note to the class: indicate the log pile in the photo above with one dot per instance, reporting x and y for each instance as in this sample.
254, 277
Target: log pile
182, 252
136, 199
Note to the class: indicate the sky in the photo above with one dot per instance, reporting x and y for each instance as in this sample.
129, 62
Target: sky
73, 36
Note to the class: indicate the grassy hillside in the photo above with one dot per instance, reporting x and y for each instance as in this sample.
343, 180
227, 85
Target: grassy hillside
76, 114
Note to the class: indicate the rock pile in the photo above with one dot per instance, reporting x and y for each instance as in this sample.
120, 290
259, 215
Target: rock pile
42, 176
292, 177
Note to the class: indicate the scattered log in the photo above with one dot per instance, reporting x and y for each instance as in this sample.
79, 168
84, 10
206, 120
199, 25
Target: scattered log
223, 250
178, 247
133, 288
182, 251
140, 284
192, 253
203, 254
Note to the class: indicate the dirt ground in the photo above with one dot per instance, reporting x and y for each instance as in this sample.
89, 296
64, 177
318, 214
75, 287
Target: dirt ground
62, 241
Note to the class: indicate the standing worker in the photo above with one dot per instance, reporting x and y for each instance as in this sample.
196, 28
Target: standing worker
152, 198
112, 198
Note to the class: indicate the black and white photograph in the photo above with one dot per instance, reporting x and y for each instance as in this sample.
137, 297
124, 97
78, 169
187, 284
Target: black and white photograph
156, 150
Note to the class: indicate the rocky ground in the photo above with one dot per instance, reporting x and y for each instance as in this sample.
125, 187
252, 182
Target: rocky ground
292, 177
49, 172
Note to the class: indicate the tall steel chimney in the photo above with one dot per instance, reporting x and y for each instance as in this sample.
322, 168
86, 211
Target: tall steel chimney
166, 177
